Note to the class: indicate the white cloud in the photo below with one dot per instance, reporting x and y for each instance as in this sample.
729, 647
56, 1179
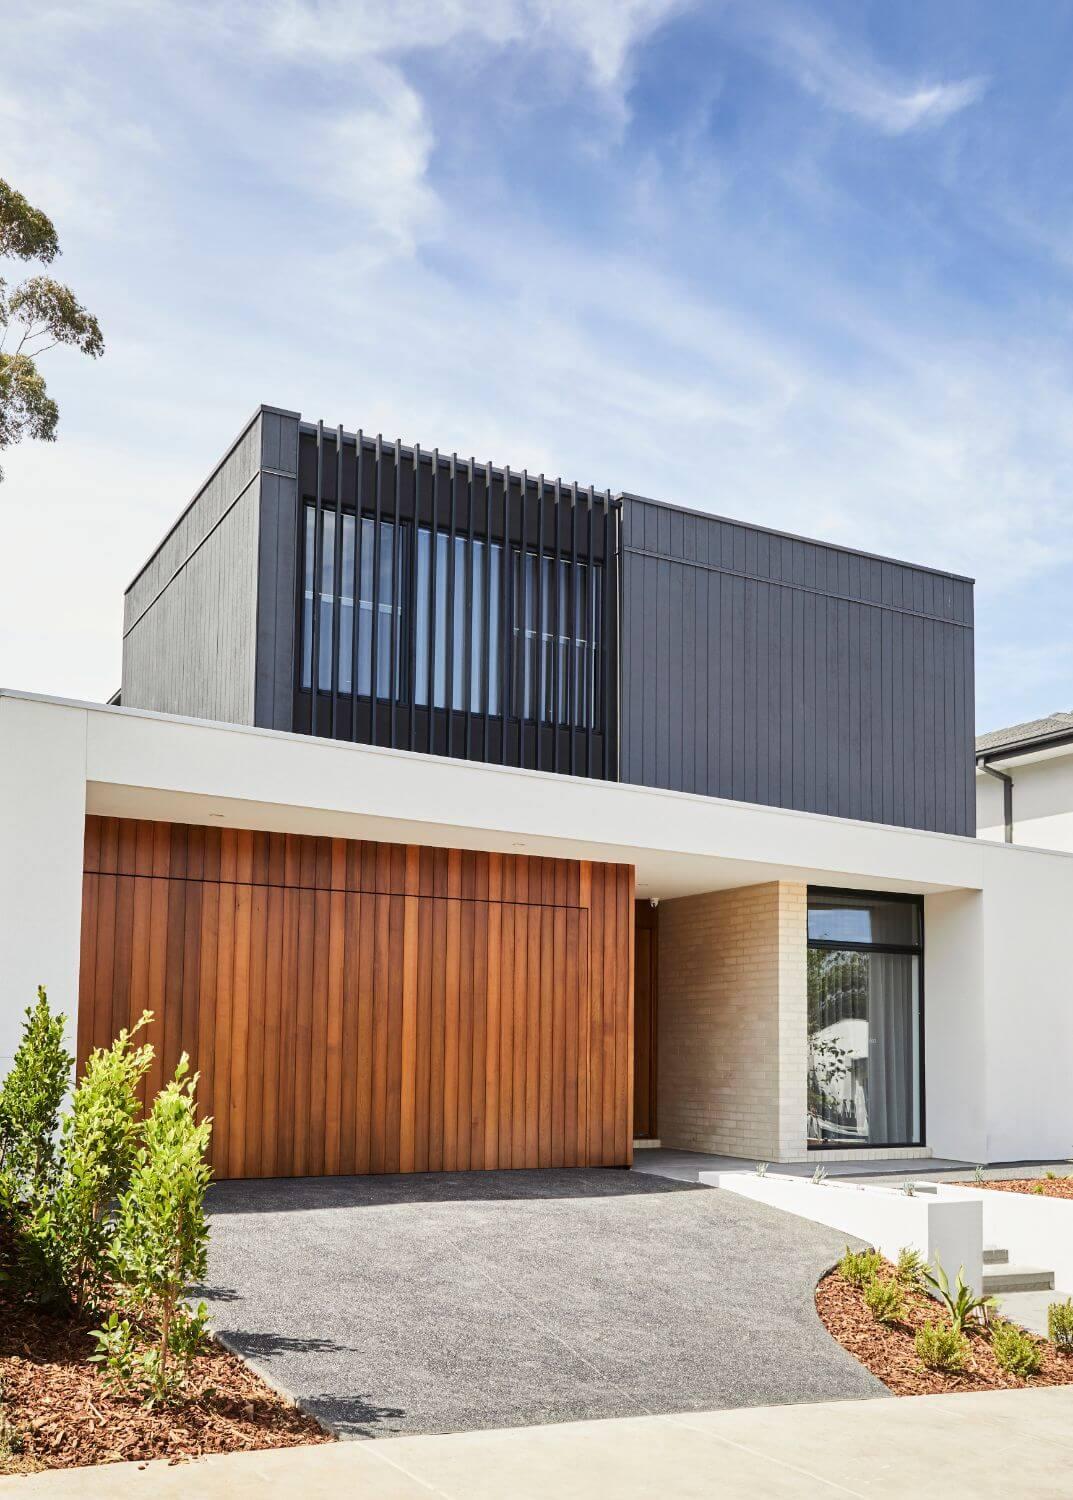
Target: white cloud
845, 81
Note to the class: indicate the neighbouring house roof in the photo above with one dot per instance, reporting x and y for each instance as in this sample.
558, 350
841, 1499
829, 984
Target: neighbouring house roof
1018, 736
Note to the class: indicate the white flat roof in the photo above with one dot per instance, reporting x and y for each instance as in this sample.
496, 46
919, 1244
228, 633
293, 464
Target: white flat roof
151, 765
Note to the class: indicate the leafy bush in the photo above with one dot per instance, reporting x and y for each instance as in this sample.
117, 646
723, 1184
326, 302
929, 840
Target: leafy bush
100, 1135
1060, 1325
884, 1299
943, 1349
161, 1238
961, 1303
1037, 1187
1015, 1351
819, 1176
859, 1267
910, 1268
761, 1168
30, 1099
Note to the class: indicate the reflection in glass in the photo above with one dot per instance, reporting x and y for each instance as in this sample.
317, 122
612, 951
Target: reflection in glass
864, 1047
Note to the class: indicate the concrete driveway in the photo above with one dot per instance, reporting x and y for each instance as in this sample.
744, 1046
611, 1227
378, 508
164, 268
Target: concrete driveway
443, 1303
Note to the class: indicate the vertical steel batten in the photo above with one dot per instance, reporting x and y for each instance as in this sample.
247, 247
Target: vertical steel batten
523, 631
589, 695
506, 635
318, 563
337, 576
540, 686
571, 625
359, 447
434, 545
486, 601
374, 664
605, 686
469, 612
450, 692
410, 613
556, 626
396, 602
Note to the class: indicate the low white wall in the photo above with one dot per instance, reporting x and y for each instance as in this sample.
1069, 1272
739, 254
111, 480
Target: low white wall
1037, 1231
945, 1231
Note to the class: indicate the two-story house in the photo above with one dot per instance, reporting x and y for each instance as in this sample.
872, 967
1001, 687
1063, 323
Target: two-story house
452, 816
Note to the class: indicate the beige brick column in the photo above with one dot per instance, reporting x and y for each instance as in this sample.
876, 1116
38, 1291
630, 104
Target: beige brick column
733, 1043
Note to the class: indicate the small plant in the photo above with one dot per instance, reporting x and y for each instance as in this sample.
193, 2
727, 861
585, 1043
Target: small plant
1037, 1187
1015, 1351
30, 1100
909, 1189
819, 1177
1060, 1325
910, 1268
859, 1267
161, 1234
961, 1303
884, 1300
12, 1443
1052, 1176
943, 1349
761, 1168
978, 1176
100, 1135
117, 1353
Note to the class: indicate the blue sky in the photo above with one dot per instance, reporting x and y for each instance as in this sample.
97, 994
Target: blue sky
804, 264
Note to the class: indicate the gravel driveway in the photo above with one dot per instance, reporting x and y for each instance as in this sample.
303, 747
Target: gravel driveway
442, 1303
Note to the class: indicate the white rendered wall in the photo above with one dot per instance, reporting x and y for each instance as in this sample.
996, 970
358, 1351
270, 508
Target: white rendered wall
955, 1042
1042, 803
42, 827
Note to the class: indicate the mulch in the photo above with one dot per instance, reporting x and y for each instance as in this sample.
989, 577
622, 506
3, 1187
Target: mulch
889, 1350
1041, 1187
64, 1417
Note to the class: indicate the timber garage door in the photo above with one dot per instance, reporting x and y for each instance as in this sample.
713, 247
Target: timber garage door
363, 1007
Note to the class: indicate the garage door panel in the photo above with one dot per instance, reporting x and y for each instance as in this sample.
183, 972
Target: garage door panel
440, 1019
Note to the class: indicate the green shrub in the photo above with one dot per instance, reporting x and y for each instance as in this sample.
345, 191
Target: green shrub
1037, 1187
1015, 1351
859, 1267
30, 1099
940, 1348
100, 1136
884, 1299
161, 1239
961, 1303
1060, 1325
910, 1268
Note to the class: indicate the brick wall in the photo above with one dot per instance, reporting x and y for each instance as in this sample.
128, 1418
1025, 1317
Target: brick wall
733, 1022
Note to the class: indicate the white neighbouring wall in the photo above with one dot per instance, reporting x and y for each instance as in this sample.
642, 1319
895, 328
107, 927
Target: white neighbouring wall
1042, 800
998, 993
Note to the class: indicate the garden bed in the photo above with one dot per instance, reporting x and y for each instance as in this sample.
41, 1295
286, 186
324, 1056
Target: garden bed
1039, 1187
59, 1414
889, 1351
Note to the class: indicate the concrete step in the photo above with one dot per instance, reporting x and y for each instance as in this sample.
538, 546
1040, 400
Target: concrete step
1029, 1309
1018, 1279
994, 1256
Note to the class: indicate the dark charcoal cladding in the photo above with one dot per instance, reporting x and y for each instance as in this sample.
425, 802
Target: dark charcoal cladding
765, 668
434, 603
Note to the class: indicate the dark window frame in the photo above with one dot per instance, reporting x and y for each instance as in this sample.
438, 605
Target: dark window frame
911, 950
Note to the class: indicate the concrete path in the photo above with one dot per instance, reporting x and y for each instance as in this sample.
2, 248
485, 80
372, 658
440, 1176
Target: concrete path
444, 1303
1001, 1444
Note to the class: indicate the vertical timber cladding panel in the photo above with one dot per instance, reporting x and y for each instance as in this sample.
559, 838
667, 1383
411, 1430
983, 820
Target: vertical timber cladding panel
766, 668
363, 1007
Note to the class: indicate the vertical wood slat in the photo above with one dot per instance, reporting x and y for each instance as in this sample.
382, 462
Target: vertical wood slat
359, 1007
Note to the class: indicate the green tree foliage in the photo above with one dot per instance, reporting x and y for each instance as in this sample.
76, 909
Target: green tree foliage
30, 1099
161, 1242
35, 316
